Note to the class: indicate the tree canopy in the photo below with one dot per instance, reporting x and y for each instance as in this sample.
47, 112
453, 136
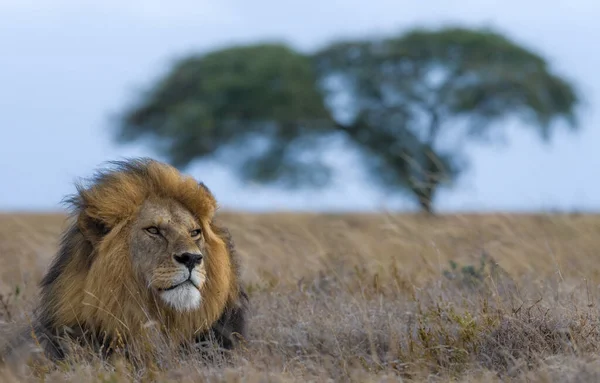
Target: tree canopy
407, 103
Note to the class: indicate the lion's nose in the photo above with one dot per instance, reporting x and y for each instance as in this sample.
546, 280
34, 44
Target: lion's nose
190, 260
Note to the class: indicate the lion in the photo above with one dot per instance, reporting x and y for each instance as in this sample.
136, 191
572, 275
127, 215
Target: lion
143, 247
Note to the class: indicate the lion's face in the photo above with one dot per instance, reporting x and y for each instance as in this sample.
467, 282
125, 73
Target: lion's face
167, 252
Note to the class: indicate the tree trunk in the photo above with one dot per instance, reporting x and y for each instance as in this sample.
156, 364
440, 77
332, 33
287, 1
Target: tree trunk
426, 189
425, 197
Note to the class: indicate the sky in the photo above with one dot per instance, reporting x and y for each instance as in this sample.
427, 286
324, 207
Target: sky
69, 65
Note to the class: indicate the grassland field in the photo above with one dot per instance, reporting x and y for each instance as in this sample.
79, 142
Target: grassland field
370, 298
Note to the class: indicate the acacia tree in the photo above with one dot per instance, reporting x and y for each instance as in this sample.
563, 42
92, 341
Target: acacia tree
254, 107
408, 104
416, 98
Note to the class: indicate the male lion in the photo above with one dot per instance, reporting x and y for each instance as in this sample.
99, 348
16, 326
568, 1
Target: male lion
143, 248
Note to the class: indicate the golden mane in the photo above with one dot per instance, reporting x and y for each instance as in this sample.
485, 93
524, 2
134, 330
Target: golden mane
91, 288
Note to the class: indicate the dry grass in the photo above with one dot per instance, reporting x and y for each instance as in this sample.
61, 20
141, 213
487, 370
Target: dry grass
370, 298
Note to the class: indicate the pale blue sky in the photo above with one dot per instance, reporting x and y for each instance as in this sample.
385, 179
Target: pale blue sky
68, 64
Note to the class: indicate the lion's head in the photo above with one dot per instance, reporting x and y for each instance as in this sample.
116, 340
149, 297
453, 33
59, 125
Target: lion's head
167, 249
143, 247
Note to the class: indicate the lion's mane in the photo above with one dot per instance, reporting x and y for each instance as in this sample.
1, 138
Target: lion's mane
89, 286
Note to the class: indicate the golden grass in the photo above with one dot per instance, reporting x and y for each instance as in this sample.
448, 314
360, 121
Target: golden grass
369, 298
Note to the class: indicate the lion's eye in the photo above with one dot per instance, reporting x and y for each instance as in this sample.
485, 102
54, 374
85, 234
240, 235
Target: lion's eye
195, 233
152, 230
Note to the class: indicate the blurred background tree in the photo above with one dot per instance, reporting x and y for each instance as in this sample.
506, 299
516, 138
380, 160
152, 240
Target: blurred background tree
408, 104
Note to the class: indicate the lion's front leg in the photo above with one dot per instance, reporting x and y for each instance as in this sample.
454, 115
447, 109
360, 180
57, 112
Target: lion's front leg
231, 327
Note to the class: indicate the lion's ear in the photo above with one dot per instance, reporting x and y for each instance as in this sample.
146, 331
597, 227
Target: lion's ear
92, 229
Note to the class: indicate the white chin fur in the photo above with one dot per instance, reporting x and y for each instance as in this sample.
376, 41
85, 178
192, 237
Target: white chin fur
183, 298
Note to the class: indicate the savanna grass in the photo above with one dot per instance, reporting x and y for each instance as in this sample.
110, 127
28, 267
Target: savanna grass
362, 298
